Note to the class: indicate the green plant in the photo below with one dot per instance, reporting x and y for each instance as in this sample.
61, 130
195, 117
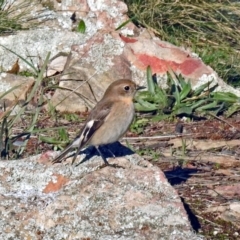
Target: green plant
81, 27
72, 117
149, 152
181, 100
124, 23
138, 125
184, 146
59, 141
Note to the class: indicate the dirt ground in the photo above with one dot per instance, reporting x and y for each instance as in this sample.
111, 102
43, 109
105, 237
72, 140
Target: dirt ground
204, 167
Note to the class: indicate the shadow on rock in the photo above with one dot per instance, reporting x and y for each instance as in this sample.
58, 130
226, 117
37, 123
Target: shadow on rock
192, 217
180, 175
109, 151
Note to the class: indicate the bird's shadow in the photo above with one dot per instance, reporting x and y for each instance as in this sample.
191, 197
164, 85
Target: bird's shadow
108, 151
179, 175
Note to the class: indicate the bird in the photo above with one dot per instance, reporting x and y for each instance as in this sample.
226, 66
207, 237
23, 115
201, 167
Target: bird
108, 121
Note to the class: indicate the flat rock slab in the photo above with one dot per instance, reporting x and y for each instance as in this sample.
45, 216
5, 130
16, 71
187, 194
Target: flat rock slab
89, 201
14, 87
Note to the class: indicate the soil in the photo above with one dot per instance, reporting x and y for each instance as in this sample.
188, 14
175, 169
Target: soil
204, 167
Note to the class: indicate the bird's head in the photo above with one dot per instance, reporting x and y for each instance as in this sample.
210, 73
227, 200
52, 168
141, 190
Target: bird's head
122, 88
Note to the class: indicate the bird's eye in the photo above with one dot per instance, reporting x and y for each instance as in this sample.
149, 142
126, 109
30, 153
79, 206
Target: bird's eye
126, 88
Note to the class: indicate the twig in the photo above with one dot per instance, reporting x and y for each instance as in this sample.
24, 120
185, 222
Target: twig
222, 120
204, 219
74, 91
157, 137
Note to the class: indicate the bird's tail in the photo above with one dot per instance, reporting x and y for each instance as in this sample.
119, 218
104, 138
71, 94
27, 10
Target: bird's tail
60, 157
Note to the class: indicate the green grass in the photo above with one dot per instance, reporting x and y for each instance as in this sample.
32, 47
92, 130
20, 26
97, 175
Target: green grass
17, 15
209, 28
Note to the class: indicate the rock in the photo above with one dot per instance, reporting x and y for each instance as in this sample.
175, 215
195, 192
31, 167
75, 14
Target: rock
20, 87
88, 201
36, 43
229, 212
56, 32
228, 191
56, 65
10, 81
92, 67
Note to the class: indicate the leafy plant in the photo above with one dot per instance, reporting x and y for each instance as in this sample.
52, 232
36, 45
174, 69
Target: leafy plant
181, 100
81, 26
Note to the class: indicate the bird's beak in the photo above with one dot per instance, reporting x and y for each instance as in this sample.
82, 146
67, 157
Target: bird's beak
140, 88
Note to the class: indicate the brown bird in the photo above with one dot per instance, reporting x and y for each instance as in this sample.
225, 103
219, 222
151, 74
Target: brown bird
108, 121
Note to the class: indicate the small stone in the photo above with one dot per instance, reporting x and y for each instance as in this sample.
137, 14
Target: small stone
236, 234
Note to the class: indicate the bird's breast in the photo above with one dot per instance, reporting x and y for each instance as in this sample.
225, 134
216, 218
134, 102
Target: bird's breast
115, 124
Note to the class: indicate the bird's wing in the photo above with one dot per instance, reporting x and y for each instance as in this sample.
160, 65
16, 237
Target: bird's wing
93, 122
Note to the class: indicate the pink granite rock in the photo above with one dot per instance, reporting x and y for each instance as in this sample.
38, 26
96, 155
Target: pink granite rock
89, 201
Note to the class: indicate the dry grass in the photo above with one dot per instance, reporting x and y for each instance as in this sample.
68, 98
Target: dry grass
16, 15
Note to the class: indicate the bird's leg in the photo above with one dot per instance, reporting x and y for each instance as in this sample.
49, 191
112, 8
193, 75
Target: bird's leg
74, 158
104, 159
76, 154
110, 151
